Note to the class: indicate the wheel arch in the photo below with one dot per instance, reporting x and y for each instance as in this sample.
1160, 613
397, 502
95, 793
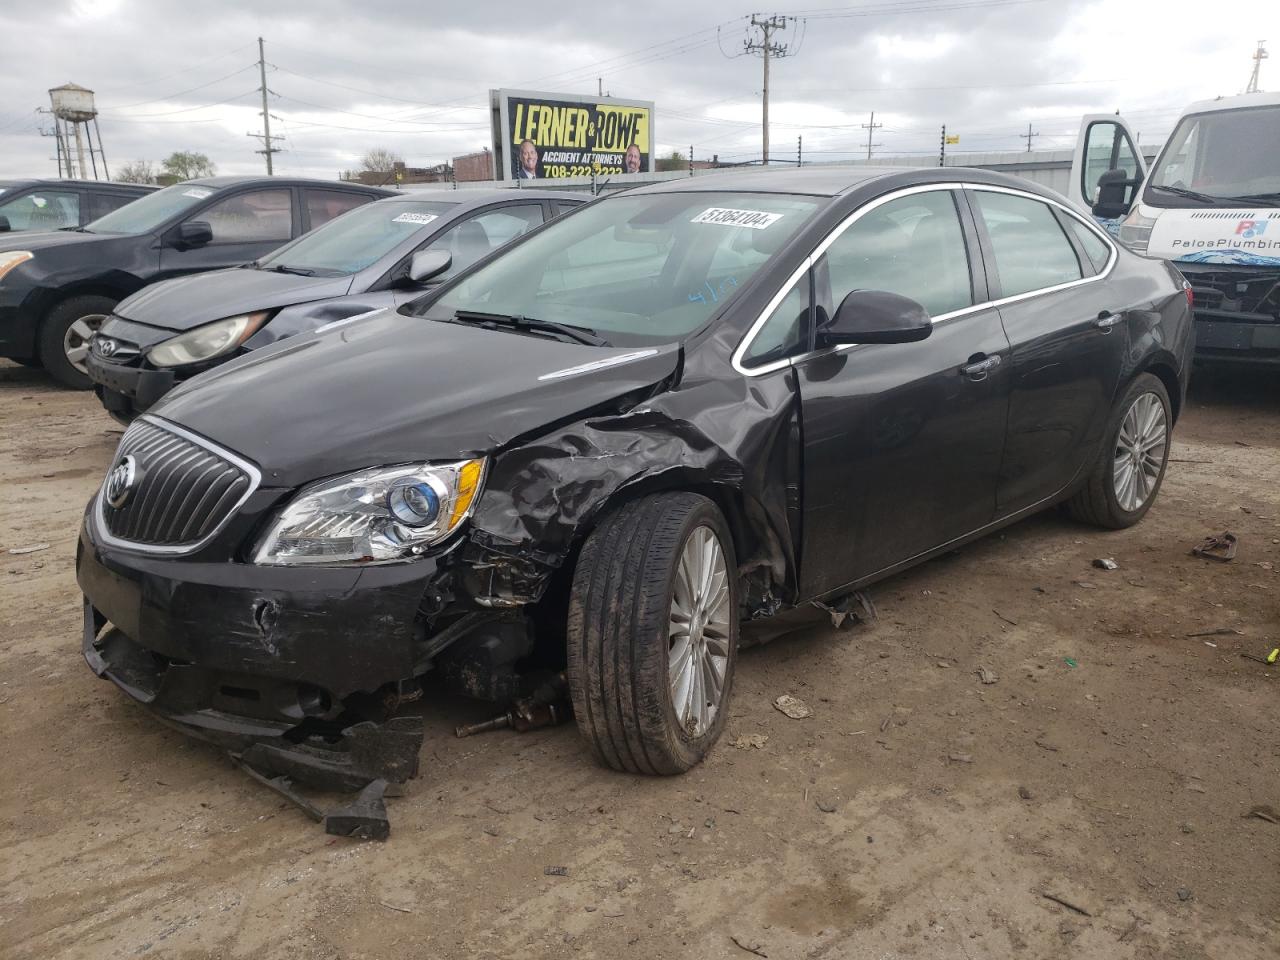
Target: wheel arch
1163, 369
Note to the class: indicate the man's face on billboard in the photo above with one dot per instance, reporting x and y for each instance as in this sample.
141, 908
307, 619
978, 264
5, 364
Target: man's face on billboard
631, 162
529, 156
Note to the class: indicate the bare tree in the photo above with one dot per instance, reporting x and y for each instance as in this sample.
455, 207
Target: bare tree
380, 160
139, 171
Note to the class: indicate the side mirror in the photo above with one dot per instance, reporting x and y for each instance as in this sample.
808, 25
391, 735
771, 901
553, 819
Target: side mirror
428, 264
1113, 189
875, 316
4, 225
193, 233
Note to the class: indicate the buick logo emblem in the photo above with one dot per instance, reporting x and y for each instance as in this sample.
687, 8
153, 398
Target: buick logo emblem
106, 346
120, 482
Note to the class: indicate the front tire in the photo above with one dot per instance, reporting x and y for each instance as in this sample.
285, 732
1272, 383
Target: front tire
65, 335
1130, 469
653, 634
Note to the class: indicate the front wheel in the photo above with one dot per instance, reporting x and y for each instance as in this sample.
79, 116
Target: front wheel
653, 634
1127, 476
65, 336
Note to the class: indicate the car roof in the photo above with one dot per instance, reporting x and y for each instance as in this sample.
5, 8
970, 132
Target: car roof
239, 180
483, 195
832, 181
66, 182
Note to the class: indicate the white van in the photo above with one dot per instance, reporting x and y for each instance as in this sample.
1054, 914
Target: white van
1210, 203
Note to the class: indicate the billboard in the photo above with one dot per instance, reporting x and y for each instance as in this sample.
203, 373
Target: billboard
551, 136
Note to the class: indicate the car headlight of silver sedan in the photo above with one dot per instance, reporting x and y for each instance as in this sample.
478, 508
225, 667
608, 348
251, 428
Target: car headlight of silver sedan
377, 515
208, 341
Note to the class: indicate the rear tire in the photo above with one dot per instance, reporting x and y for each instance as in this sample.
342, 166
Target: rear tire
1127, 475
64, 338
653, 634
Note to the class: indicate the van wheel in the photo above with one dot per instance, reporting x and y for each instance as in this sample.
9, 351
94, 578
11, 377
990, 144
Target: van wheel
1127, 476
653, 634
65, 334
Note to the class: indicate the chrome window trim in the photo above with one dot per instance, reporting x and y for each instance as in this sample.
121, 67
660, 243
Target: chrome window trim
253, 473
853, 218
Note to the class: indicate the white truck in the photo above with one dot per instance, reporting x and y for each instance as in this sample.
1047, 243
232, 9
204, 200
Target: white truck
1210, 203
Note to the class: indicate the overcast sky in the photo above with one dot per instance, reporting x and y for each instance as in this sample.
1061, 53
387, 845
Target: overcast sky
347, 76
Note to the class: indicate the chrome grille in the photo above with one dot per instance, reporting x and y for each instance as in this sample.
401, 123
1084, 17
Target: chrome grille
184, 489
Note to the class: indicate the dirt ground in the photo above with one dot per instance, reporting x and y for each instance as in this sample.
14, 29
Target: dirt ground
918, 813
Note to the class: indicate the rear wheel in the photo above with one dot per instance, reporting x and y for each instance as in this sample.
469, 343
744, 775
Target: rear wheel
1127, 476
65, 336
653, 634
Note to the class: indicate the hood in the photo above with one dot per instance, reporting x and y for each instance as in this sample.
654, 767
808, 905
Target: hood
387, 388
44, 240
186, 302
1243, 236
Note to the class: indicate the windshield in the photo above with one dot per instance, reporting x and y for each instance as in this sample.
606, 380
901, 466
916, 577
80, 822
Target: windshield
147, 213
636, 269
351, 242
1228, 154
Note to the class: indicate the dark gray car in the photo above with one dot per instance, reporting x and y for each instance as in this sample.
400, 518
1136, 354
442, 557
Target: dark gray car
361, 261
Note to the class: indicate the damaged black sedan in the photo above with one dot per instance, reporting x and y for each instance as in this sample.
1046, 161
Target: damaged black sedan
606, 447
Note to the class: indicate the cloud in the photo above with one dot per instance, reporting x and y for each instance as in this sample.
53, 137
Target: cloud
345, 76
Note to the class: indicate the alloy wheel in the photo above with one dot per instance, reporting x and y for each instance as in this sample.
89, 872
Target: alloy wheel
1139, 453
75, 342
698, 632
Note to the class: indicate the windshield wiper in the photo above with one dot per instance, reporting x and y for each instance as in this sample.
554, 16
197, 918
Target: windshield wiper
1184, 192
299, 271
1255, 198
517, 322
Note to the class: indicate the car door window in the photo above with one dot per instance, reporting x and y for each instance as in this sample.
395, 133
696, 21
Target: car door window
256, 216
43, 210
324, 205
100, 204
786, 332
912, 246
476, 237
1031, 251
1094, 247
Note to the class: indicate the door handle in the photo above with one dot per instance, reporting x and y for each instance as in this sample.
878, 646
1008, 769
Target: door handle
1106, 321
978, 369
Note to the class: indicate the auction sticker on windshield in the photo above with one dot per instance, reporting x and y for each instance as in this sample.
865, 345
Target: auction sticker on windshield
755, 219
414, 218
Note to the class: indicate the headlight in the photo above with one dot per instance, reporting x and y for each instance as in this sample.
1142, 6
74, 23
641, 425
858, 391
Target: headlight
374, 516
207, 342
1135, 231
10, 260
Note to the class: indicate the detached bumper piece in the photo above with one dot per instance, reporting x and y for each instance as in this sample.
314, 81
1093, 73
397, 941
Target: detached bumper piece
364, 756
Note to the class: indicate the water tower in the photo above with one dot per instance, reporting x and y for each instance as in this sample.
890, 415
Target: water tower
73, 110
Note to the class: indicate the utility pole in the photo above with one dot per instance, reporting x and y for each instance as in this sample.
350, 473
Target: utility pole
871, 128
691, 159
1028, 136
268, 148
942, 153
800, 151
768, 49
1258, 56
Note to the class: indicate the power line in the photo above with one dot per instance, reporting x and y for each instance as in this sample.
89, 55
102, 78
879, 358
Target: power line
180, 93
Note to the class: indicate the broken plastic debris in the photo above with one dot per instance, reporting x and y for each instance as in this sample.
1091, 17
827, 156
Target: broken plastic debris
987, 676
34, 548
1106, 563
793, 707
